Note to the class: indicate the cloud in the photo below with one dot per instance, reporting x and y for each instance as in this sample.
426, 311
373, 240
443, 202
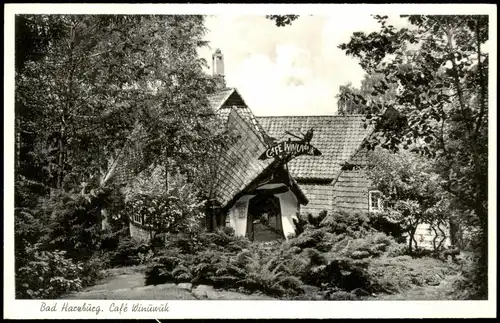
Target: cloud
293, 70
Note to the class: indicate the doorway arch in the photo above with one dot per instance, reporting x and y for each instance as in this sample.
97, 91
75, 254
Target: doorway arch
264, 218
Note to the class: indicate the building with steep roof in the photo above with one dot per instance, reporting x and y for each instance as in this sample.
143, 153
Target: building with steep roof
314, 183
246, 186
260, 198
325, 179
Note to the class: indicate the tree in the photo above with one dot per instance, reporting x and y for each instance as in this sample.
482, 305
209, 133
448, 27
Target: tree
351, 100
106, 79
441, 71
346, 104
93, 90
411, 191
69, 98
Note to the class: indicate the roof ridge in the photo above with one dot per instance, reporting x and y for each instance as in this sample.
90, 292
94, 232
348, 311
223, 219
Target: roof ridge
251, 126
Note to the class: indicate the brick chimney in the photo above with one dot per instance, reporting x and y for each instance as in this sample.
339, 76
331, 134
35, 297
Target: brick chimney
218, 68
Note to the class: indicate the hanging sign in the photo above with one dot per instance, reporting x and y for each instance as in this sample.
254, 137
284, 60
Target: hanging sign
289, 149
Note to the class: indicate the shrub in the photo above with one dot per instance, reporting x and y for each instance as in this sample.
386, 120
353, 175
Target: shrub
302, 222
310, 238
351, 224
47, 274
336, 260
128, 252
267, 274
74, 222
201, 258
465, 287
384, 222
223, 239
161, 271
252, 268
185, 243
29, 227
178, 211
330, 256
214, 268
92, 270
110, 240
372, 245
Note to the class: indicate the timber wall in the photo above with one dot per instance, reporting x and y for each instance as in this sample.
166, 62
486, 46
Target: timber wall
350, 191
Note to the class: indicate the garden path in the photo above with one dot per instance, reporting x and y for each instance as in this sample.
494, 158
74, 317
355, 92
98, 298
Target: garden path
128, 284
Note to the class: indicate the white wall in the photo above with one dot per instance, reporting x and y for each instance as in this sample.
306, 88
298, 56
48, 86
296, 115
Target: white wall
288, 204
424, 237
238, 215
289, 208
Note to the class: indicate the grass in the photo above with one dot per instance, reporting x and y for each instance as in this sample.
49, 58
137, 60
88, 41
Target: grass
425, 293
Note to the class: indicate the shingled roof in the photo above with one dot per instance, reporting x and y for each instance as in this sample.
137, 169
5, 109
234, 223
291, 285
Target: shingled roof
337, 137
227, 99
239, 165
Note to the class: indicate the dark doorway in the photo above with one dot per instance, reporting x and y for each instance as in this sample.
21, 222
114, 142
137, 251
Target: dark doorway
264, 218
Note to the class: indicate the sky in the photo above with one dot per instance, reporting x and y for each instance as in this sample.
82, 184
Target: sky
292, 70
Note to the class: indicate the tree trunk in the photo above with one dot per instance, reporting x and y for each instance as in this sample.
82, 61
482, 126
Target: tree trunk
443, 239
411, 234
415, 241
455, 233
435, 238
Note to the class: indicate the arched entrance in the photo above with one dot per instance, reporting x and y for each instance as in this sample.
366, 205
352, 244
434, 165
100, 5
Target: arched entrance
264, 218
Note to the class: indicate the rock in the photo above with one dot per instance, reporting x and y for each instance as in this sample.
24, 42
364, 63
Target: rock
186, 286
204, 288
319, 297
310, 289
202, 291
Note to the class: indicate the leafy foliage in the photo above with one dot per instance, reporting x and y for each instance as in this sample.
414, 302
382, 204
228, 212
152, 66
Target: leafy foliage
129, 252
97, 94
282, 20
43, 274
75, 221
351, 100
342, 256
401, 273
165, 213
440, 68
411, 191
303, 221
46, 274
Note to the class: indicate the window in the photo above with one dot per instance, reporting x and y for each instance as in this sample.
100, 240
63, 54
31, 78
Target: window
375, 201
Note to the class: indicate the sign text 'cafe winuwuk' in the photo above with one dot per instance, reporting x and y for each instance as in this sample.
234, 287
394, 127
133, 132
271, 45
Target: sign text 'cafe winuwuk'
289, 148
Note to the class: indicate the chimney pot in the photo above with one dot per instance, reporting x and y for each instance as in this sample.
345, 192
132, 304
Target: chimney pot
217, 63
218, 68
